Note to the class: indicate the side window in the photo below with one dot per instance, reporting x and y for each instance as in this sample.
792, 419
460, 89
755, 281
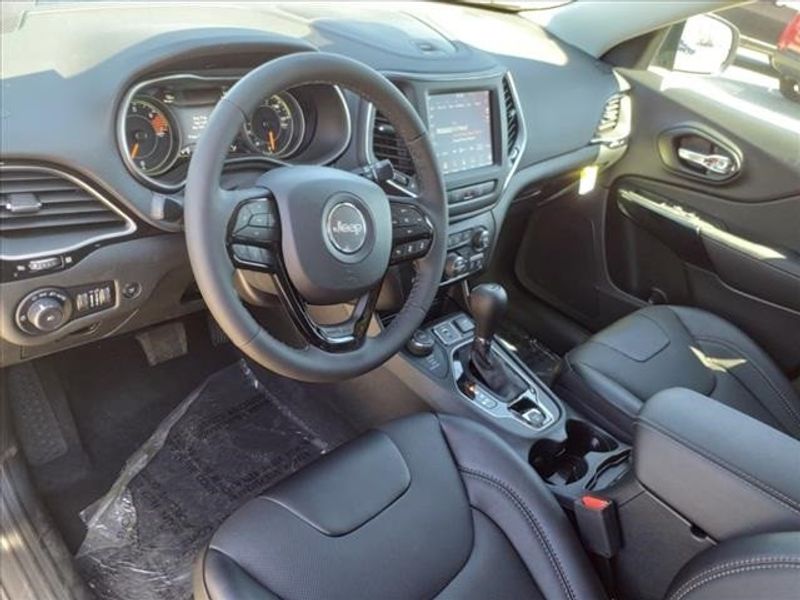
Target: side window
755, 48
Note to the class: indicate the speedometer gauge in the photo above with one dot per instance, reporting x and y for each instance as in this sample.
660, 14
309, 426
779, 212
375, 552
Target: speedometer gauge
150, 136
277, 126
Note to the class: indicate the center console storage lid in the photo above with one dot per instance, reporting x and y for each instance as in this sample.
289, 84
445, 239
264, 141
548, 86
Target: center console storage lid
724, 471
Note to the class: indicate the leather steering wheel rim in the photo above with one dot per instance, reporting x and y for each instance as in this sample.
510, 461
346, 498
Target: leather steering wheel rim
207, 214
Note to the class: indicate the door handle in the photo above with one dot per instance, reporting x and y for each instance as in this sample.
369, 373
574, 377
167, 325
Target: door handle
716, 163
699, 152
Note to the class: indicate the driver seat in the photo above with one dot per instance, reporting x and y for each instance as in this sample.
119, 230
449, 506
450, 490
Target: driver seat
429, 506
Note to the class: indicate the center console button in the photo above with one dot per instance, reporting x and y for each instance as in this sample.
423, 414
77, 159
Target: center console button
485, 400
446, 333
464, 324
486, 187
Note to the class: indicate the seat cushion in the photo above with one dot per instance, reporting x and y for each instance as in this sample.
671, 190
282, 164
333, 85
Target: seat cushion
425, 507
659, 347
759, 566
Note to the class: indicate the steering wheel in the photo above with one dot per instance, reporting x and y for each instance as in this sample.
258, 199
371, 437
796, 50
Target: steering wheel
326, 235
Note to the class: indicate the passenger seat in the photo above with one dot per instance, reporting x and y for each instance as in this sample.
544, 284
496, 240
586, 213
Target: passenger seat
613, 374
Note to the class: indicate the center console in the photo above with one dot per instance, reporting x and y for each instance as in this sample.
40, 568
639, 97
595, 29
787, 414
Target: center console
460, 366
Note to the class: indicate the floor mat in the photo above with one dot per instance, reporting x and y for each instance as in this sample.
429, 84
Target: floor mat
539, 358
228, 441
117, 400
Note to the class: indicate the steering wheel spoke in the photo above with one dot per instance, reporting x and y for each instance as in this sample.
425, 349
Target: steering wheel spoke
412, 232
339, 337
254, 233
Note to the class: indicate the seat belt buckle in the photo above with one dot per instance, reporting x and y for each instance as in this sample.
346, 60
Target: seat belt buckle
598, 525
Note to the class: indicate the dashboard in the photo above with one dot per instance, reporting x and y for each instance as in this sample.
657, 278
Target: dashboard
91, 240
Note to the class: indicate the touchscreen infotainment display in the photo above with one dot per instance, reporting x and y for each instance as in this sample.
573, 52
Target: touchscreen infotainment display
461, 130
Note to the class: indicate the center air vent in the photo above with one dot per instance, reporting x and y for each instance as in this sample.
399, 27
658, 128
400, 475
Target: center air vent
45, 211
387, 145
512, 117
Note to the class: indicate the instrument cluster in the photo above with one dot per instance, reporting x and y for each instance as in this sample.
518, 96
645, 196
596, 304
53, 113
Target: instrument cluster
162, 120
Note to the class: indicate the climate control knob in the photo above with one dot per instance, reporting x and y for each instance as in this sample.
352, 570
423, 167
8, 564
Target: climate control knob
46, 314
455, 266
481, 239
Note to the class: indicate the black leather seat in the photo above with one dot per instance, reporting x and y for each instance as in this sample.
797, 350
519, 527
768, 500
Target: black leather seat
424, 507
430, 507
659, 347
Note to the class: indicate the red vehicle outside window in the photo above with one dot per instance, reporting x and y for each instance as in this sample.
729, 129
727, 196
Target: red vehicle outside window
786, 59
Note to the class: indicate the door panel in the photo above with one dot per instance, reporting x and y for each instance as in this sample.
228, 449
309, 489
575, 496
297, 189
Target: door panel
728, 242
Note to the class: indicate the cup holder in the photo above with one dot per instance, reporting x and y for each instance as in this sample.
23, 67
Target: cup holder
564, 462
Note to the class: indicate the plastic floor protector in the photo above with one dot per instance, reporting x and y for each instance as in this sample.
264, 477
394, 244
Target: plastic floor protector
224, 444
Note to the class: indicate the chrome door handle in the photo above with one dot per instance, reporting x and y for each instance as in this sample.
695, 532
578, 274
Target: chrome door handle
716, 163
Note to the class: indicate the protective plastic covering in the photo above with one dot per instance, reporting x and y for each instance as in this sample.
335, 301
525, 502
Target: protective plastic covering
224, 444
538, 357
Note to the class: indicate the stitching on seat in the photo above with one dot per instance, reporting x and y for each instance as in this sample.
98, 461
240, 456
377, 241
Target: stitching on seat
761, 560
721, 575
735, 348
532, 521
720, 464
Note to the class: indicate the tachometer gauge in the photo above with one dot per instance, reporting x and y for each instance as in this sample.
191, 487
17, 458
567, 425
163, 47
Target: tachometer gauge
277, 126
151, 138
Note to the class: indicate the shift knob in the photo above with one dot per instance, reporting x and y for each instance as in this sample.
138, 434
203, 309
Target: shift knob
488, 303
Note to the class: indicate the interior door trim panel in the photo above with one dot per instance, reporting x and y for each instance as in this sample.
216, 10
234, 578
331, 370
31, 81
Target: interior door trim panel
766, 272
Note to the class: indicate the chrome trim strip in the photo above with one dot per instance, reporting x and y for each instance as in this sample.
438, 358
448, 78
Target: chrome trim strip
522, 128
130, 225
165, 187
686, 218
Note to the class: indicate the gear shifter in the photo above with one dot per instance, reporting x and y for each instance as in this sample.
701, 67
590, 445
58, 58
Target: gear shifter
488, 303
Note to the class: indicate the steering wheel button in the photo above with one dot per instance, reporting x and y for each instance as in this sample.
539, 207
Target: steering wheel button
243, 217
421, 246
261, 220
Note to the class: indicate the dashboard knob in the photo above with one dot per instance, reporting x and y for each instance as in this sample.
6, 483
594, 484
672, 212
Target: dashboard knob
455, 265
421, 344
46, 314
481, 239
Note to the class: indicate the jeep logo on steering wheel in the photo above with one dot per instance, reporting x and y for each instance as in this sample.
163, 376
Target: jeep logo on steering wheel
347, 228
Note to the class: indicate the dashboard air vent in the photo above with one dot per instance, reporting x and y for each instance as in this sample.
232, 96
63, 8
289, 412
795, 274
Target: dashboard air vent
45, 210
512, 117
611, 114
387, 145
